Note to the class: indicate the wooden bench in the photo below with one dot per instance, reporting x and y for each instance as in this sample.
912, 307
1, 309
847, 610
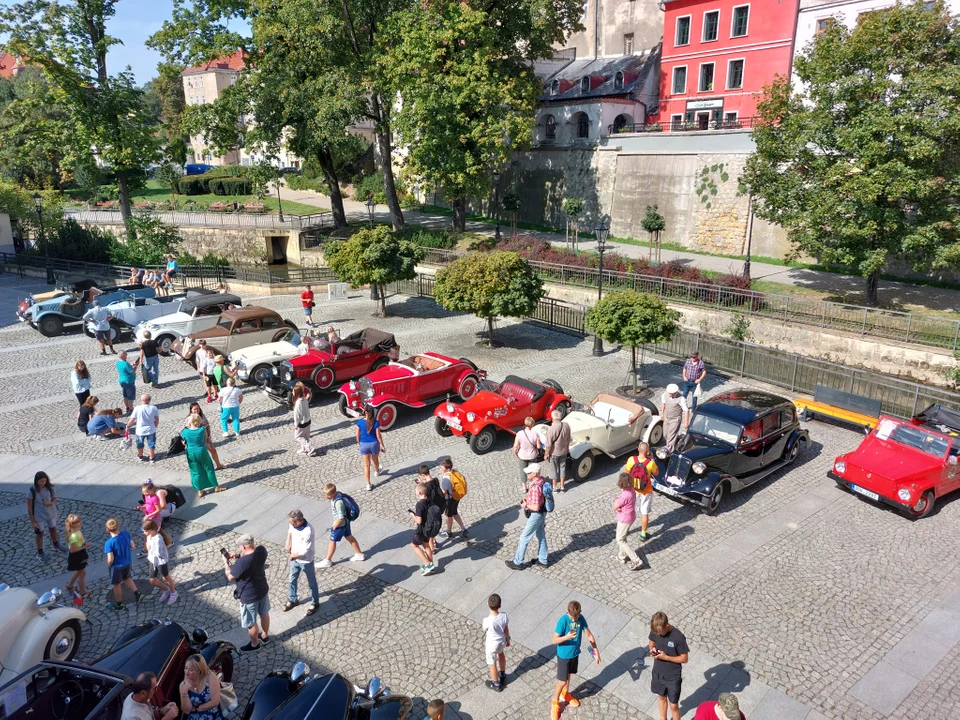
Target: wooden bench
840, 405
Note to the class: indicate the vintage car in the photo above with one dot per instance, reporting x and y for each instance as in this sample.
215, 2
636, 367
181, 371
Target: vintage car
416, 382
72, 285
353, 357
734, 440
73, 691
502, 406
255, 364
943, 420
899, 464
50, 316
235, 329
603, 428
127, 314
33, 629
296, 695
193, 315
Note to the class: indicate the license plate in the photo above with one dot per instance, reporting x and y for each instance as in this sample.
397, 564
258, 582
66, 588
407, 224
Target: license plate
866, 493
454, 423
664, 489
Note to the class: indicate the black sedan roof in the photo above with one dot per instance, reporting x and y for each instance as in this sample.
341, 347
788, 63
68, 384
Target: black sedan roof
741, 406
202, 301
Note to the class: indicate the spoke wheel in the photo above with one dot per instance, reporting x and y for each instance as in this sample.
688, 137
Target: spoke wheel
261, 374
468, 387
583, 467
387, 415
50, 326
323, 378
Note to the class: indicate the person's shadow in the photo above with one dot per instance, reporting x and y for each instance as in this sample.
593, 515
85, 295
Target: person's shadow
725, 677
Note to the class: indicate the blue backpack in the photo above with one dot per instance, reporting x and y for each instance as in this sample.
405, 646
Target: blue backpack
548, 503
353, 510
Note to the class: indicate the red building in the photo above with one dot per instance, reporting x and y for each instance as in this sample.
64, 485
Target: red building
717, 56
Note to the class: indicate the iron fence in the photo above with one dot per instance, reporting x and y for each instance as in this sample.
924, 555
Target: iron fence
868, 322
184, 218
800, 374
684, 125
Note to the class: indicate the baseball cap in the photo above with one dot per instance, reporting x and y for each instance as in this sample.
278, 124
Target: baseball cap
246, 540
729, 706
532, 468
673, 388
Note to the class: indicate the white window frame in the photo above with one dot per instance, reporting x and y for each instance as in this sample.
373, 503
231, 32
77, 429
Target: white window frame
700, 77
743, 73
676, 120
633, 43
733, 18
826, 25
676, 30
673, 82
735, 113
703, 30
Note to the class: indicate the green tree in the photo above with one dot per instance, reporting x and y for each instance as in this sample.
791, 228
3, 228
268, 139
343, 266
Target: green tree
489, 285
864, 169
654, 223
512, 204
633, 320
149, 243
374, 256
164, 104
169, 175
572, 207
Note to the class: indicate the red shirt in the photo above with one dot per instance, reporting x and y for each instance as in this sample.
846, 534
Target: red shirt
306, 297
708, 711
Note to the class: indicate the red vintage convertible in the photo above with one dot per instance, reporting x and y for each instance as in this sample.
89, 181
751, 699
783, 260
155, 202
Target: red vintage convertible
502, 406
901, 465
416, 382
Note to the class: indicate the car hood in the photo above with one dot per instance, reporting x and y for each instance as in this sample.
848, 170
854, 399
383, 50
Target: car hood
482, 402
583, 424
887, 459
699, 447
210, 332
393, 371
171, 319
147, 648
313, 357
269, 351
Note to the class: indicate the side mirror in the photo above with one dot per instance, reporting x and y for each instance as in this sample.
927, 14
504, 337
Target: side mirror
299, 672
374, 688
866, 429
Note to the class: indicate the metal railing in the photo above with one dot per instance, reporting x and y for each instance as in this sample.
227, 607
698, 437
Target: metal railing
184, 218
867, 322
683, 126
800, 374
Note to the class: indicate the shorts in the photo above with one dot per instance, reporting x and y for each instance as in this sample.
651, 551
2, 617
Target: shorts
307, 310
558, 464
491, 652
44, 521
644, 503
567, 667
452, 507
149, 440
419, 539
171, 273
666, 687
210, 381
370, 448
159, 570
249, 612
338, 534
119, 574
129, 391
103, 335
77, 560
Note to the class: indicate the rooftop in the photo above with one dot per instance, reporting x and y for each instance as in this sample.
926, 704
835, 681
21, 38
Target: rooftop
603, 73
230, 62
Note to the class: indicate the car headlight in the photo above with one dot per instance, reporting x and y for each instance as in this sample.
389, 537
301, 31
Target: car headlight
840, 466
353, 385
187, 342
449, 407
471, 417
903, 494
662, 453
699, 467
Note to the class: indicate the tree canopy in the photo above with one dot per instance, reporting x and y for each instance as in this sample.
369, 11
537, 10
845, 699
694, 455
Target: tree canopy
863, 168
489, 285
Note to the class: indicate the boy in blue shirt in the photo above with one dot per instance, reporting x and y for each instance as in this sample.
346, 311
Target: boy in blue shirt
567, 637
119, 558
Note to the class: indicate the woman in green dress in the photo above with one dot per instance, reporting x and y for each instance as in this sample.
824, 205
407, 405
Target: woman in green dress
202, 475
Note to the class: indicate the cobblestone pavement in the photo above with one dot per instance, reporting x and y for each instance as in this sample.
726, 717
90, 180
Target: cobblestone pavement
791, 596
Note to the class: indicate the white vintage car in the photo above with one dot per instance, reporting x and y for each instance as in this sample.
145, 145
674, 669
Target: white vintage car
603, 428
193, 315
34, 629
128, 314
255, 364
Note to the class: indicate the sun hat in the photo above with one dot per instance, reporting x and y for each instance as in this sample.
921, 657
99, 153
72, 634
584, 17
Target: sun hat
532, 468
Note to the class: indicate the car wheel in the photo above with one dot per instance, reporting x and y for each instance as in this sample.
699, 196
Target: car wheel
290, 324
790, 454
261, 374
115, 331
468, 387
553, 384
583, 467
656, 434
387, 415
166, 343
562, 408
323, 378
63, 644
88, 332
483, 441
50, 326
716, 497
924, 506
380, 363
223, 666
440, 425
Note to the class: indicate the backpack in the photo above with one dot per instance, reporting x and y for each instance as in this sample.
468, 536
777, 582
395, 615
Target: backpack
435, 495
430, 527
548, 503
458, 483
175, 495
639, 474
352, 510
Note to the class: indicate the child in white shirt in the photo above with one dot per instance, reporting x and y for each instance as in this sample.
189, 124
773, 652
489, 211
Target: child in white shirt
159, 560
496, 637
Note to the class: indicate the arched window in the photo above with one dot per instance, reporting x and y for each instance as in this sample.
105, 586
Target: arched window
550, 123
583, 126
555, 87
618, 81
585, 84
620, 122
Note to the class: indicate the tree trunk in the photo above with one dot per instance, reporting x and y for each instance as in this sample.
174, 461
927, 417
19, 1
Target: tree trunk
873, 282
460, 214
650, 254
383, 154
123, 193
383, 300
490, 330
325, 160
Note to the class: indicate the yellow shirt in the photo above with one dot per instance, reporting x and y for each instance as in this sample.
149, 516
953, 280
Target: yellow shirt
75, 538
651, 471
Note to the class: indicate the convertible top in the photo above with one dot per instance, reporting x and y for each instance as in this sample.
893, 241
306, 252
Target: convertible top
370, 339
943, 419
537, 389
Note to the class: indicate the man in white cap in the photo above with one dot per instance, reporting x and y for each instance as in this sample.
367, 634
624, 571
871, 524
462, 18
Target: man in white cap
534, 506
726, 707
673, 410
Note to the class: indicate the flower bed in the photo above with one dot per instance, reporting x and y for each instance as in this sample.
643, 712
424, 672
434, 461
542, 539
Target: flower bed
255, 208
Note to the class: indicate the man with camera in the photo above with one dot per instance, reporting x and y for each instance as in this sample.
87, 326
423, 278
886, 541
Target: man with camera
252, 589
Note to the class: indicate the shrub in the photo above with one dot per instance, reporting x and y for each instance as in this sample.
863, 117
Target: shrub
192, 185
443, 239
738, 328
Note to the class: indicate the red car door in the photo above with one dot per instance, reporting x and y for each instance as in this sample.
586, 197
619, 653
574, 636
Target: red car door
436, 382
950, 475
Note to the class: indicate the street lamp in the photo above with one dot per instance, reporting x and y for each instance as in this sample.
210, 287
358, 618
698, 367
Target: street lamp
38, 202
496, 202
370, 207
279, 202
601, 232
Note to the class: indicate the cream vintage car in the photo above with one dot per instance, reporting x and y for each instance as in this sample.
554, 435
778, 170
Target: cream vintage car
255, 364
34, 629
603, 428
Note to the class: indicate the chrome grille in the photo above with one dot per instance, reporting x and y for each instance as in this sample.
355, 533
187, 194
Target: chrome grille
679, 466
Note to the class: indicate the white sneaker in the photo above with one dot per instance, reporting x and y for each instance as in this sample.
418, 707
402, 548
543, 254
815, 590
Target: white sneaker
381, 472
323, 563
173, 598
227, 435
237, 434
301, 451
359, 557
163, 596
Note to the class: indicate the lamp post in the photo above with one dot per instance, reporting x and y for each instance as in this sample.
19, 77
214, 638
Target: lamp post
38, 202
279, 202
601, 232
370, 207
496, 202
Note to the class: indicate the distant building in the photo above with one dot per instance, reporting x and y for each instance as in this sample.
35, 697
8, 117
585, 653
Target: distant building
10, 65
617, 27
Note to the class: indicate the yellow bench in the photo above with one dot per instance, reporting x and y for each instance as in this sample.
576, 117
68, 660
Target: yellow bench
809, 407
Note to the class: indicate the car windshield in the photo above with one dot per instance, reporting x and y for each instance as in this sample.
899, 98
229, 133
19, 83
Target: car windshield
225, 324
912, 436
291, 336
722, 430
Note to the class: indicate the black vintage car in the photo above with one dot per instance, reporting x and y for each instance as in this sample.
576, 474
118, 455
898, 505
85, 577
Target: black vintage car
296, 695
73, 691
734, 440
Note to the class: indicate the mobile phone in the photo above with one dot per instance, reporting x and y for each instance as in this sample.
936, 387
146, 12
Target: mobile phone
226, 555
410, 511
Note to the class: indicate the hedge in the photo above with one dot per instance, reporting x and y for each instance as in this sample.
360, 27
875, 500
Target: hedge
230, 186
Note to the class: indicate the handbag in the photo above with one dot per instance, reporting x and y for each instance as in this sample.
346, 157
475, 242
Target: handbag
228, 696
177, 445
144, 372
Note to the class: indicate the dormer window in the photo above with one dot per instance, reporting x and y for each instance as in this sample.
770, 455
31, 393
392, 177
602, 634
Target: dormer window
585, 84
618, 81
555, 87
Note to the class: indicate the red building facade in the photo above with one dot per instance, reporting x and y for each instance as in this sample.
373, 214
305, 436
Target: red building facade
717, 56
